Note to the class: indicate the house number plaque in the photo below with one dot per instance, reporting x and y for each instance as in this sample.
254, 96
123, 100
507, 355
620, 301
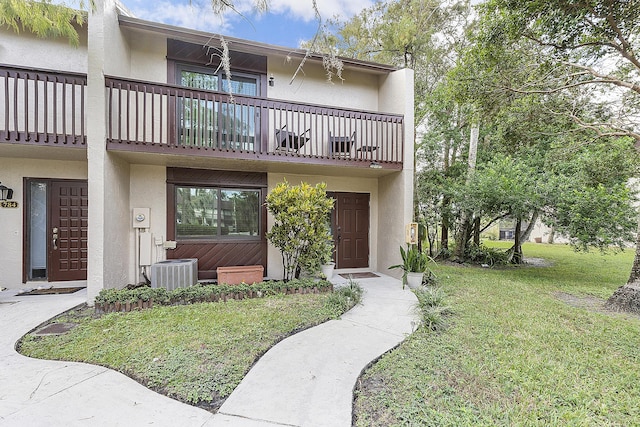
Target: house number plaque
8, 204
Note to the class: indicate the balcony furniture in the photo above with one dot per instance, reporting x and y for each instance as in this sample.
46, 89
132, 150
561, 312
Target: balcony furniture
366, 151
290, 141
340, 146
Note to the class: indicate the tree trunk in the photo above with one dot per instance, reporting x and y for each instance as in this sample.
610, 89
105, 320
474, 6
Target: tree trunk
476, 231
462, 238
552, 235
444, 232
627, 297
527, 233
516, 249
465, 232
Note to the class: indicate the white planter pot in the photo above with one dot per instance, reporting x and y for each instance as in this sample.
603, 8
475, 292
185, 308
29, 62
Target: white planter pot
414, 280
327, 270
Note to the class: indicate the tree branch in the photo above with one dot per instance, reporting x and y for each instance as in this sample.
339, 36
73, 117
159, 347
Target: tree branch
606, 79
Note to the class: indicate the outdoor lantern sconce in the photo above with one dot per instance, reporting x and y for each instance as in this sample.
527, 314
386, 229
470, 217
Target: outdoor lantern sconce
272, 80
5, 193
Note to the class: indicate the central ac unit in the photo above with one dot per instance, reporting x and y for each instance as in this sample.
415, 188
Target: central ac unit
174, 273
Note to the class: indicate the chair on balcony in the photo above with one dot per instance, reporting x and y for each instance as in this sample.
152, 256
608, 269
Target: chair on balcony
291, 141
340, 146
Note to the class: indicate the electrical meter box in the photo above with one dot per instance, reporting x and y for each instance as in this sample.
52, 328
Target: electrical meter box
141, 217
411, 233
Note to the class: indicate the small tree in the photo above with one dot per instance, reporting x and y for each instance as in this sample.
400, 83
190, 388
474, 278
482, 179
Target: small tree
300, 226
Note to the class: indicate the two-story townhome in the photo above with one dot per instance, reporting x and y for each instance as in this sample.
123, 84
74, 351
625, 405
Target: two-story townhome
136, 141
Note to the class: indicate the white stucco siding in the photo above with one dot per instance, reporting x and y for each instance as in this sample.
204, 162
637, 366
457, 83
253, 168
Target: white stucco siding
148, 57
148, 189
14, 170
396, 190
359, 91
26, 50
108, 254
334, 183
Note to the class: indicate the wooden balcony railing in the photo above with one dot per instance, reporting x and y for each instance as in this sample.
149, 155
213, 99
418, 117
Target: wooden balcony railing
145, 116
45, 107
42, 107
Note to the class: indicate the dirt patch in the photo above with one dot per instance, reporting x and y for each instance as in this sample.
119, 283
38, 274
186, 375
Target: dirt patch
537, 262
590, 303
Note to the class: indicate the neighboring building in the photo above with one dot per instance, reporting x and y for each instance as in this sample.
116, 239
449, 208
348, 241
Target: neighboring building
139, 116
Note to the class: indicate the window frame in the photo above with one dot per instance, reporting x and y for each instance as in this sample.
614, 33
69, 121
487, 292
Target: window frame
219, 73
219, 236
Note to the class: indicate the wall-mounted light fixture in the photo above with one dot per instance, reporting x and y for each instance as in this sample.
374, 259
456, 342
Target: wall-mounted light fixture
5, 193
375, 165
272, 80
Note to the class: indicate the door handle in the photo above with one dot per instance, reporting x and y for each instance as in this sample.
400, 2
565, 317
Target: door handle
339, 235
55, 238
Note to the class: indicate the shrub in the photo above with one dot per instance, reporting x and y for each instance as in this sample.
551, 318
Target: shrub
432, 306
485, 255
342, 299
199, 293
300, 230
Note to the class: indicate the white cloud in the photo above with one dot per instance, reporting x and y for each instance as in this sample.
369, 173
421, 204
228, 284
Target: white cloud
199, 15
196, 16
303, 9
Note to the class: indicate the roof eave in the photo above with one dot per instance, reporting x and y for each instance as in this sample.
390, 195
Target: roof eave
248, 46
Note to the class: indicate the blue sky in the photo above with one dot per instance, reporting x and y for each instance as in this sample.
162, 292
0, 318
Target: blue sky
287, 24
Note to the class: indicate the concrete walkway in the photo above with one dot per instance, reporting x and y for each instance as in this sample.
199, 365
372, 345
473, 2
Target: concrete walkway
305, 380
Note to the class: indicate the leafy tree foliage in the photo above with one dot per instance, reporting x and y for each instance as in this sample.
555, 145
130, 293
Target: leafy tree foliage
301, 227
43, 18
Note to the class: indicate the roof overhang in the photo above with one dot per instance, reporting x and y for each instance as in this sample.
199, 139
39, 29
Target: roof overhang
248, 46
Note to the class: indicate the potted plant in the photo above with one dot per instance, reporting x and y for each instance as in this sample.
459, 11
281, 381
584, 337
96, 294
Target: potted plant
325, 253
414, 264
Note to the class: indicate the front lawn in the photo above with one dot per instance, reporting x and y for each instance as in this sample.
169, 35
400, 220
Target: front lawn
195, 353
514, 352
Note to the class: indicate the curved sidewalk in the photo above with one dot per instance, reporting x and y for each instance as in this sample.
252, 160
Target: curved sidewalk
39, 393
305, 380
308, 378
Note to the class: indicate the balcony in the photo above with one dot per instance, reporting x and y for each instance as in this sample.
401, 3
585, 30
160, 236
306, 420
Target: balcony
39, 107
47, 108
169, 119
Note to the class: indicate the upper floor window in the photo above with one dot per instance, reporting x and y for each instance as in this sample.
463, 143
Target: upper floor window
208, 79
209, 120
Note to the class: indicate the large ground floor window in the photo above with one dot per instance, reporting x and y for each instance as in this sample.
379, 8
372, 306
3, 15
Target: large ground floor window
218, 217
206, 212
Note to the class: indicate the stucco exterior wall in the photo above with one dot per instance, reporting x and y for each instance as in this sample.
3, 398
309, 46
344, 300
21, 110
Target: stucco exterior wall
14, 170
396, 190
358, 91
27, 50
334, 183
148, 57
109, 259
148, 189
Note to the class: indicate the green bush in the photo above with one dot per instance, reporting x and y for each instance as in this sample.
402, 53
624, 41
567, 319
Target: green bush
432, 306
485, 255
343, 298
198, 293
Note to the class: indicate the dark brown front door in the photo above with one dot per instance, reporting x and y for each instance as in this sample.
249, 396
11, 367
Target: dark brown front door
67, 243
351, 230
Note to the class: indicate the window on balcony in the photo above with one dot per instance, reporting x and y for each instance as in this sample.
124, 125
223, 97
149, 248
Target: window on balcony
209, 213
208, 119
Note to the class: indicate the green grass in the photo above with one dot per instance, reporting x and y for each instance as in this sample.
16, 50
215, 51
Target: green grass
195, 353
512, 354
